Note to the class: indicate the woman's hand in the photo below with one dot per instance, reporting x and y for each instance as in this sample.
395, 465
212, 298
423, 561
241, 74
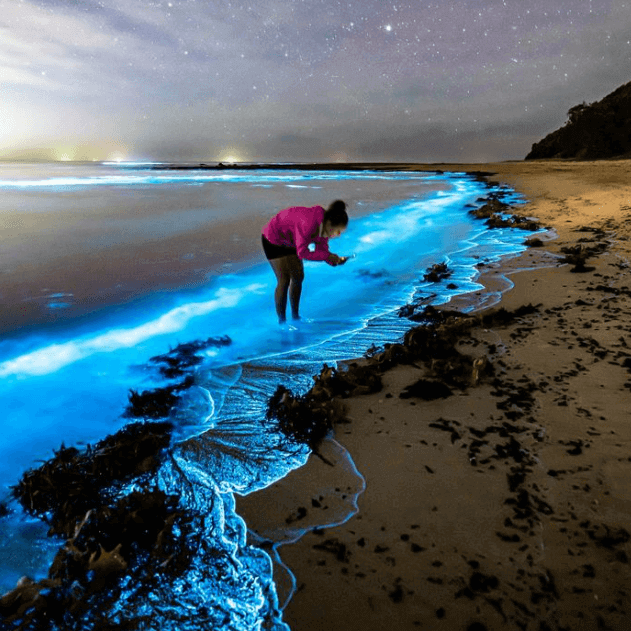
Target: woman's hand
334, 260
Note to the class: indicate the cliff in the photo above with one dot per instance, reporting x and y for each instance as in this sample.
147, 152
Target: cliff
593, 131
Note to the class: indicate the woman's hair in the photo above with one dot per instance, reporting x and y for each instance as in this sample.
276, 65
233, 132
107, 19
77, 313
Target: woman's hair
335, 214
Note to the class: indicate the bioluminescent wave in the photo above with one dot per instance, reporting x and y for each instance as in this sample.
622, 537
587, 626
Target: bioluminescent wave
72, 385
201, 176
52, 358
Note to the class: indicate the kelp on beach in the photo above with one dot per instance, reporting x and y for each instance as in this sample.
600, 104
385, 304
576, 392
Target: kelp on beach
112, 538
75, 481
178, 362
435, 345
497, 215
308, 418
144, 544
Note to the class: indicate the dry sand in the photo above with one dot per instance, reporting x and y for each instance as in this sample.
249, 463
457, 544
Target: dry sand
506, 505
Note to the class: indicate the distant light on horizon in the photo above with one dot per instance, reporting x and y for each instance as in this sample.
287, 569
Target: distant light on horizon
340, 156
111, 151
231, 154
64, 154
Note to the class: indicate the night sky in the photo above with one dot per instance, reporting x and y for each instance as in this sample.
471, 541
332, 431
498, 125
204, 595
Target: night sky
291, 80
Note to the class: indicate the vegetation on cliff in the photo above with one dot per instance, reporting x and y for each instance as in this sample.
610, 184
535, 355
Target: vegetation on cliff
592, 132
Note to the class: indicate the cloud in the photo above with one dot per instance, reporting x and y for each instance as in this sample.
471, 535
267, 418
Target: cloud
146, 21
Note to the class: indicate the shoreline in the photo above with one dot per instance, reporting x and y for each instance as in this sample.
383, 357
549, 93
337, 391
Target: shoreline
537, 533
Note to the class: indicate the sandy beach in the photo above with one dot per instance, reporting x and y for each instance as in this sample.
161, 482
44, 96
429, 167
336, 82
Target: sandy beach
506, 504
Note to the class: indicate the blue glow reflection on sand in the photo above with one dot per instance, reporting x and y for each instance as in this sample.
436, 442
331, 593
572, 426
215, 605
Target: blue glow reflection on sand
75, 388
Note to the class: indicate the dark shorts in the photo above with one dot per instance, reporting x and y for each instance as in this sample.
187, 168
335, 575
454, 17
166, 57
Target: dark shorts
273, 251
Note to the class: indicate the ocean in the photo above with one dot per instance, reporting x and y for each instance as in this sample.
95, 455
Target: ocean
105, 266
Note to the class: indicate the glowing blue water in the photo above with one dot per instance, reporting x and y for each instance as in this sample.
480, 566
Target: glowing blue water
73, 386
134, 177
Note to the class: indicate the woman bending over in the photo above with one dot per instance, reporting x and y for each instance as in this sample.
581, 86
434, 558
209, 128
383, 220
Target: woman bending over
286, 239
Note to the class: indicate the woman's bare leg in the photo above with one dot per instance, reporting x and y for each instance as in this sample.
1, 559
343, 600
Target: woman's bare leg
282, 286
297, 275
289, 272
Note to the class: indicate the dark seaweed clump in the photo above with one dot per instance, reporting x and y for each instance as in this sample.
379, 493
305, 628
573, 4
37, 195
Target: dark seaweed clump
178, 362
433, 274
496, 214
578, 255
157, 403
112, 543
436, 345
437, 272
504, 317
308, 418
534, 242
73, 482
300, 418
132, 544
426, 389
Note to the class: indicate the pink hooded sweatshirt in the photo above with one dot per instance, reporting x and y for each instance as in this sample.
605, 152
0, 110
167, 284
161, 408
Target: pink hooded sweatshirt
297, 227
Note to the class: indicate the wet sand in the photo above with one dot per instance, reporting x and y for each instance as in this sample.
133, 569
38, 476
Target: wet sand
505, 505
